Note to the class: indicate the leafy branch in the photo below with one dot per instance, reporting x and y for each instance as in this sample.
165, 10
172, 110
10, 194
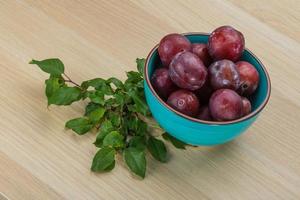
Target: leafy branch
115, 109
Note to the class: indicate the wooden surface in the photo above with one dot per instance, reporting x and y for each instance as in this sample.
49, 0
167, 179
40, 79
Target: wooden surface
40, 160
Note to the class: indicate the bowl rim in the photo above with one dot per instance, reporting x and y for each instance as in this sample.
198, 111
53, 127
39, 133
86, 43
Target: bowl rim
246, 117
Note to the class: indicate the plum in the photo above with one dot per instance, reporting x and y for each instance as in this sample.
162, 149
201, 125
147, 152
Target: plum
185, 102
224, 74
246, 106
162, 83
249, 78
187, 71
170, 45
200, 49
204, 113
225, 104
226, 42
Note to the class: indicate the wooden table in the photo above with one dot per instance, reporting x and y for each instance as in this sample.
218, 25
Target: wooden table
40, 160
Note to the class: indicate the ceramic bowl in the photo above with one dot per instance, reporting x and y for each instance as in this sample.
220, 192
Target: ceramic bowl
195, 131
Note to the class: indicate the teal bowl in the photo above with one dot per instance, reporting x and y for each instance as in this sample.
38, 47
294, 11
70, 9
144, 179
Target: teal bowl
199, 132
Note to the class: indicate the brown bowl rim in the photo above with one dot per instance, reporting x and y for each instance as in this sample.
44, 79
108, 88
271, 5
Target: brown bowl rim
250, 115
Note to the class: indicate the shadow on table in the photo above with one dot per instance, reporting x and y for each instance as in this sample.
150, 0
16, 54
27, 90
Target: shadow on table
198, 162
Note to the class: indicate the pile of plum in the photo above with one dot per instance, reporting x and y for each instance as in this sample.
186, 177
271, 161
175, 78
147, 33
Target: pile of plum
206, 81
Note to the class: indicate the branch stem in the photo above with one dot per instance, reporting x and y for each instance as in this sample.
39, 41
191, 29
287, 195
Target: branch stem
70, 80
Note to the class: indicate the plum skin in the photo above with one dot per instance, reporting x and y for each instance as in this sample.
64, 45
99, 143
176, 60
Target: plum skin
249, 78
246, 106
201, 50
226, 42
225, 105
170, 45
187, 71
204, 113
185, 102
224, 74
162, 83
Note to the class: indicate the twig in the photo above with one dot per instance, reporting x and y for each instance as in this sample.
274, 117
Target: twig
70, 80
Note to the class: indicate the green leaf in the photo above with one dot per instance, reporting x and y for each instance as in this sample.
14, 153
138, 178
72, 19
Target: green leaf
65, 96
114, 139
129, 86
106, 89
135, 160
132, 123
96, 97
99, 84
131, 108
52, 84
140, 103
91, 107
115, 118
110, 167
138, 142
106, 128
96, 83
52, 66
103, 160
110, 102
121, 98
124, 127
176, 143
79, 125
140, 84
142, 127
133, 77
157, 149
137, 126
140, 64
116, 82
96, 114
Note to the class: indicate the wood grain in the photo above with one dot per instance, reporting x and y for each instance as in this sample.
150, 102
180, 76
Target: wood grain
40, 160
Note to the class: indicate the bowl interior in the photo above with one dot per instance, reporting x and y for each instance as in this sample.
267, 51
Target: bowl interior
258, 99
